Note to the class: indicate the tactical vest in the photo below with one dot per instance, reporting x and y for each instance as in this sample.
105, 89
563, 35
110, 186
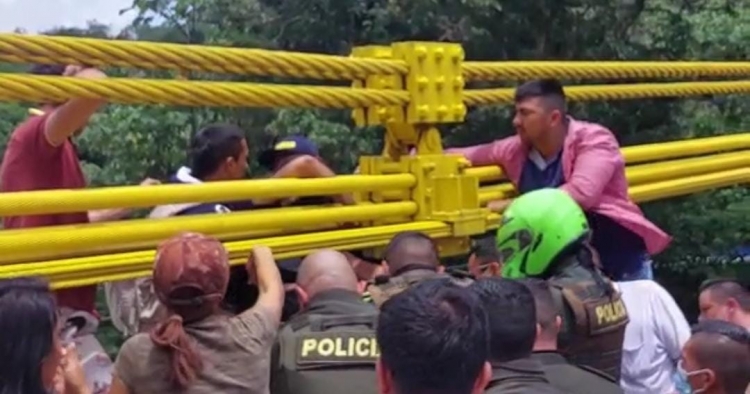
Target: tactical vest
327, 354
386, 287
595, 326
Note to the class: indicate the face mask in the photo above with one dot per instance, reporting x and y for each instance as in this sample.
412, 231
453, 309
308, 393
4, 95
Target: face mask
683, 383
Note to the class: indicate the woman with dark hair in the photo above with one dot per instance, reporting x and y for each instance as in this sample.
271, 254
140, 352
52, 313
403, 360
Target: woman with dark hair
198, 348
33, 359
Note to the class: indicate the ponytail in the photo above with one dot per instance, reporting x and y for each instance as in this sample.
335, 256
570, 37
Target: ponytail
185, 361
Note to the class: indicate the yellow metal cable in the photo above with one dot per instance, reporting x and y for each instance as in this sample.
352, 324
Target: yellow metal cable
648, 152
15, 87
517, 70
80, 240
617, 92
16, 48
58, 201
35, 88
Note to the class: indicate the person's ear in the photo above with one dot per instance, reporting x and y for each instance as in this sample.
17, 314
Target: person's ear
385, 380
230, 162
485, 375
711, 378
558, 322
495, 269
440, 269
303, 297
703, 381
555, 116
732, 305
386, 267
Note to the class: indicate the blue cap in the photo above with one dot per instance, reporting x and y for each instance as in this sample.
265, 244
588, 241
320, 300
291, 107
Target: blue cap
292, 145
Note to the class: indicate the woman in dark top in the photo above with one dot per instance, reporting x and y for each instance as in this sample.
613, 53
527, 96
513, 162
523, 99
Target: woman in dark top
33, 359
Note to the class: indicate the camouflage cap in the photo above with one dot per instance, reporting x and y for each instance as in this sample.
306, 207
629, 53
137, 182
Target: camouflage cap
189, 269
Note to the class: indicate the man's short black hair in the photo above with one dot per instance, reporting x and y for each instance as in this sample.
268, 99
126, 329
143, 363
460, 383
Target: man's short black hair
546, 310
730, 330
433, 338
212, 145
551, 90
485, 250
48, 69
411, 247
512, 317
724, 288
724, 348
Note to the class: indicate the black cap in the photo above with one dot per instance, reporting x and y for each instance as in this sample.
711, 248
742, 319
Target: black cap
292, 145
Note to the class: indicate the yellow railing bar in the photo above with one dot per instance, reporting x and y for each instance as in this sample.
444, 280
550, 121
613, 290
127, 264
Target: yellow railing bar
653, 152
58, 201
99, 269
79, 240
651, 173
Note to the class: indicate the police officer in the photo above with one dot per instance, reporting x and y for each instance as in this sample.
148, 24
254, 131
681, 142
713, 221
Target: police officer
409, 258
545, 235
566, 377
330, 345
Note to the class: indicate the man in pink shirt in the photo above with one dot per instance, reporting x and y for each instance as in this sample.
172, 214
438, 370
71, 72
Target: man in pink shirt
552, 149
41, 155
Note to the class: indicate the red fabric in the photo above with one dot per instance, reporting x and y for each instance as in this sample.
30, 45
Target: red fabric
32, 163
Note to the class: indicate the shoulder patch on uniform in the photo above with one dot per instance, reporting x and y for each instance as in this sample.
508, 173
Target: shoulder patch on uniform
596, 316
607, 315
337, 348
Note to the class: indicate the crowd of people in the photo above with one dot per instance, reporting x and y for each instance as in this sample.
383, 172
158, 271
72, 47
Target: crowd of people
561, 299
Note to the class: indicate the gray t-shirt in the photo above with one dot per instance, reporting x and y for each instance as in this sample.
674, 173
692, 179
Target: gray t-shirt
235, 351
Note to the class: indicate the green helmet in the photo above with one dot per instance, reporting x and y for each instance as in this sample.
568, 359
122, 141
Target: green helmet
536, 227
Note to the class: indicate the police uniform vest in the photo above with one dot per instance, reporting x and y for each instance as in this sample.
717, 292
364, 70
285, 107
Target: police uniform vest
328, 353
385, 287
594, 323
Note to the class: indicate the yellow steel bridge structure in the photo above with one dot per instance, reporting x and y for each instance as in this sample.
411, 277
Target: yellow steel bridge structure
408, 88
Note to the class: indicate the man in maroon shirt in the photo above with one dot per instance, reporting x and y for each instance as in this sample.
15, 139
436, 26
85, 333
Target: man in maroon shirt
40, 155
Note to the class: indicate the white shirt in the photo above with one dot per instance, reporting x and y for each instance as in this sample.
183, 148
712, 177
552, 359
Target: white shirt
653, 338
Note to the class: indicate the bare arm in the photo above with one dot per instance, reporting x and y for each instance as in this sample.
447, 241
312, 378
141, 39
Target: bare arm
72, 116
262, 267
306, 167
492, 153
110, 215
